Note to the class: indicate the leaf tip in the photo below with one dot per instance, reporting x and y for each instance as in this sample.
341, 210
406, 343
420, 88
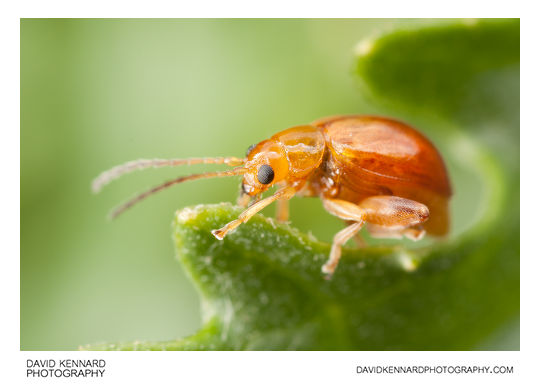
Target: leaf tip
186, 215
364, 47
407, 261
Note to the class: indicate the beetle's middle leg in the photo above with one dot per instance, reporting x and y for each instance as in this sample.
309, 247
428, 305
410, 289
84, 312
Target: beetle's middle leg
282, 210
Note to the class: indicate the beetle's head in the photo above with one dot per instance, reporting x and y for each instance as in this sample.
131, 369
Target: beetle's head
291, 156
266, 165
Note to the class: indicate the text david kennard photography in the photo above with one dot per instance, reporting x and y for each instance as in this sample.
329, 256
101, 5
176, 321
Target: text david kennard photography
65, 368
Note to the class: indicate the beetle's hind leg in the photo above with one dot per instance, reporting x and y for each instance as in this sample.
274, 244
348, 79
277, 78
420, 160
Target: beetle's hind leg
357, 238
386, 215
395, 217
414, 233
349, 212
339, 239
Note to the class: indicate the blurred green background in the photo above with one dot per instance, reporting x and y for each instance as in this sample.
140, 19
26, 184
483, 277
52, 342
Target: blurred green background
96, 93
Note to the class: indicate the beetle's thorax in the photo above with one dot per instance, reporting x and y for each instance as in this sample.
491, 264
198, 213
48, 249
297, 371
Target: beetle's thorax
304, 147
325, 180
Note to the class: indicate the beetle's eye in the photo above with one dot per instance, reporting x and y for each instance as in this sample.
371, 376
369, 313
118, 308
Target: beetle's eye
265, 175
250, 148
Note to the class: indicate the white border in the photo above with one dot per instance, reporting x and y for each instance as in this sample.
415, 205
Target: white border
288, 367
274, 9
267, 366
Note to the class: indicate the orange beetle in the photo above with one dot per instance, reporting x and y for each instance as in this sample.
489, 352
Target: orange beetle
367, 170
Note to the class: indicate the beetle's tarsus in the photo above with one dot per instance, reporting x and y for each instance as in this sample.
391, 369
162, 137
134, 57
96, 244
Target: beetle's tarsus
219, 234
328, 269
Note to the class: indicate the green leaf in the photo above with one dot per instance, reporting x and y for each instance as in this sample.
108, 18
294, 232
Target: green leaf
458, 71
262, 287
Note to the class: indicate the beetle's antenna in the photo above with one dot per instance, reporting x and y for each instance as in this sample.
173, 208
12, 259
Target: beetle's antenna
114, 173
118, 210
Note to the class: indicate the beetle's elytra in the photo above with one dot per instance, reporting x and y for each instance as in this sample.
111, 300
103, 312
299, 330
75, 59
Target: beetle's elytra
367, 170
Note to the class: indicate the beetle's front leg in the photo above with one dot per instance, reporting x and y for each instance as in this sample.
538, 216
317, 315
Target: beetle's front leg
284, 193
